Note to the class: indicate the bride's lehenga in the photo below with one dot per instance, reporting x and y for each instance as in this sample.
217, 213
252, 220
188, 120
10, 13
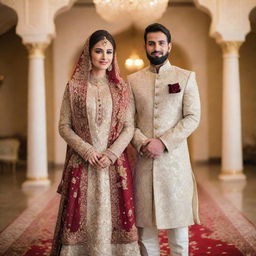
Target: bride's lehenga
98, 223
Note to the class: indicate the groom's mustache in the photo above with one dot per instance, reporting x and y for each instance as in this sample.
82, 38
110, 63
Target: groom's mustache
156, 52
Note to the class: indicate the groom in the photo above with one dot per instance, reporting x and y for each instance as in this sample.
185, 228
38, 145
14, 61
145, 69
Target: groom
167, 112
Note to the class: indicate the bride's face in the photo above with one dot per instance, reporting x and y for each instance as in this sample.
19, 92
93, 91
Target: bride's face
102, 55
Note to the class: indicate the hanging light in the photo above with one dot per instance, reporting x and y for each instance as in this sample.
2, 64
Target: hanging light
139, 12
134, 62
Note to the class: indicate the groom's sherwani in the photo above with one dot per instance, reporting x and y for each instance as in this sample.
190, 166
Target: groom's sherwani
167, 107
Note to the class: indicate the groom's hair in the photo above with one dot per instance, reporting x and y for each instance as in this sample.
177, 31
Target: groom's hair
156, 27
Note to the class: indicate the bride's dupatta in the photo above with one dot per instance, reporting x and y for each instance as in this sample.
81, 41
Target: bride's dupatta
71, 222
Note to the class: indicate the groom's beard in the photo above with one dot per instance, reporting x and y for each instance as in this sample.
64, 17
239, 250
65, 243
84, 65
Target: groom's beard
157, 60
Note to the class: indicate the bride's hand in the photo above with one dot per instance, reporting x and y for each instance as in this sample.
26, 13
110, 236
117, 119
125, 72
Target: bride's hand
94, 159
104, 162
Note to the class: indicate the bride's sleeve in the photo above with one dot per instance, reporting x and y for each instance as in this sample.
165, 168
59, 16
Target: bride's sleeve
83, 148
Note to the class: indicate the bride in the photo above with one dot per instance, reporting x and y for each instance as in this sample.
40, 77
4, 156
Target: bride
96, 214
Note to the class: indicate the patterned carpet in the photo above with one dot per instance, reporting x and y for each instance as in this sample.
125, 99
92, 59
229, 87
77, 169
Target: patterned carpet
217, 235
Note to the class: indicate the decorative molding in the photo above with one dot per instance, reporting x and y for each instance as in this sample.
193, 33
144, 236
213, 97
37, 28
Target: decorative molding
231, 47
238, 175
38, 178
36, 49
221, 11
231, 172
36, 17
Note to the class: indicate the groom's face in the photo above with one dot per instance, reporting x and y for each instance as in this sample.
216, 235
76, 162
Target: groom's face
157, 47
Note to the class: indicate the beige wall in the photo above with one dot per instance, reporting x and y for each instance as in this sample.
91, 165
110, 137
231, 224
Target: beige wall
248, 88
192, 49
13, 92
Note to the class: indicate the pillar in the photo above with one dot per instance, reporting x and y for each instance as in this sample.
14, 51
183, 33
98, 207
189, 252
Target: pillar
37, 170
232, 157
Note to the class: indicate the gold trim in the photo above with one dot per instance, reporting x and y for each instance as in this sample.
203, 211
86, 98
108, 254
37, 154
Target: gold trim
231, 172
37, 179
36, 49
231, 48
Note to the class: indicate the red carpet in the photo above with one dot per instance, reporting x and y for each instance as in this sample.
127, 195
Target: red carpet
215, 236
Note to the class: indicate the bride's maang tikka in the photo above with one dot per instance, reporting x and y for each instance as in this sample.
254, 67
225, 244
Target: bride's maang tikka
105, 41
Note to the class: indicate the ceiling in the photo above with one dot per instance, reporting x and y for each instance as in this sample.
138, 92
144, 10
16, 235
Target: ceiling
8, 17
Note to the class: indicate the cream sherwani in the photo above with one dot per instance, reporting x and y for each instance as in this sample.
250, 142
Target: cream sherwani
165, 188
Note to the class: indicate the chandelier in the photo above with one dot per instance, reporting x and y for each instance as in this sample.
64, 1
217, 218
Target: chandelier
139, 12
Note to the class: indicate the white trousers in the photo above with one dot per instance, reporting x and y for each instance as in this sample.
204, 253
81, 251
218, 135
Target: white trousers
177, 238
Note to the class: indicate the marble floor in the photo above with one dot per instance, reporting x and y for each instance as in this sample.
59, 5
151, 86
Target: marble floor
14, 200
241, 194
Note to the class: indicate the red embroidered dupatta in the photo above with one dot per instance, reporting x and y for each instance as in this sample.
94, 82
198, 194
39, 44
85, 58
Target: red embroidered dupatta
71, 223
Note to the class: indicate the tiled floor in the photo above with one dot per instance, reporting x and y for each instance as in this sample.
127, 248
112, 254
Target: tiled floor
242, 194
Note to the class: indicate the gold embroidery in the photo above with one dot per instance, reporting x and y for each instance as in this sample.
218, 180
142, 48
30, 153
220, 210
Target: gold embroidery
123, 174
124, 185
99, 83
105, 41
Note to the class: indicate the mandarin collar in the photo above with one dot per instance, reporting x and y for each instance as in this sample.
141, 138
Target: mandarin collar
165, 66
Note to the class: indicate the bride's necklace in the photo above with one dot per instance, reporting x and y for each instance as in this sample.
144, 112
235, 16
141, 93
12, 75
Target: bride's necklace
98, 82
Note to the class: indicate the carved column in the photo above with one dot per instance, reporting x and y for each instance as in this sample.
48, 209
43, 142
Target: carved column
232, 158
37, 170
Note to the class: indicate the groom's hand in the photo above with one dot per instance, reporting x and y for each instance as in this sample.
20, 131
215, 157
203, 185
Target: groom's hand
153, 148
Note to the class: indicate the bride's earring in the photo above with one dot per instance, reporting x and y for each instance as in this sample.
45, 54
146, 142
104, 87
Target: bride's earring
110, 68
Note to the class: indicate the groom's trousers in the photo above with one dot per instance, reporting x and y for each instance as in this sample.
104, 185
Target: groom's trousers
177, 238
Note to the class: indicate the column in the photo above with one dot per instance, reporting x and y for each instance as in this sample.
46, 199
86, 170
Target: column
232, 159
37, 169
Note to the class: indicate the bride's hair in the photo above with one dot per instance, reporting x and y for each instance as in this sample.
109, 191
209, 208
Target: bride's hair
101, 35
